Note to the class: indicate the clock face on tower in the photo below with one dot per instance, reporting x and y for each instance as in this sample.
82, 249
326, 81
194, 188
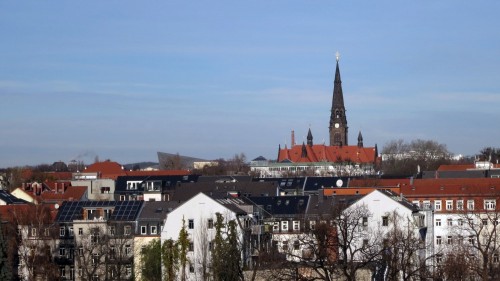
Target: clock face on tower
337, 125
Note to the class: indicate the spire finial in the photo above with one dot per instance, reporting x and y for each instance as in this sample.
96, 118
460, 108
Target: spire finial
337, 55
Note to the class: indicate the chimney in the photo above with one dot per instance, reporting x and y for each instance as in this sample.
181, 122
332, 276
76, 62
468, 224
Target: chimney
55, 187
293, 138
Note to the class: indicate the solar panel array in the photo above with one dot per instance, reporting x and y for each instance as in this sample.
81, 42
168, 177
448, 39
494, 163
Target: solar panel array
126, 210
123, 210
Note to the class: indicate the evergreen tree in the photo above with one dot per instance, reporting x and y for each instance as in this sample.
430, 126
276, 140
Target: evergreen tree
5, 267
151, 261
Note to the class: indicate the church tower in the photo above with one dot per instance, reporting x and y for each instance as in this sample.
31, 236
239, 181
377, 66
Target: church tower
338, 121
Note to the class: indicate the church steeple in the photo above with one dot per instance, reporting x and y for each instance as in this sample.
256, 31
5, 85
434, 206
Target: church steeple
338, 121
309, 138
360, 139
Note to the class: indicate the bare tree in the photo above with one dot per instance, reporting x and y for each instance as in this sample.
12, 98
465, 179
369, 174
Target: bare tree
478, 237
401, 158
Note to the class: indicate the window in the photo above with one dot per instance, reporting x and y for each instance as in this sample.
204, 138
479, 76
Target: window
460, 205
449, 240
449, 222
62, 251
485, 221
153, 229
143, 230
95, 277
438, 240
94, 236
95, 259
112, 230
284, 225
191, 268
80, 251
34, 232
312, 224
470, 204
416, 203
439, 258
427, 204
47, 232
460, 222
490, 204
449, 205
296, 245
471, 240
496, 259
71, 233
460, 239
438, 222
128, 250
80, 231
191, 224
105, 190
128, 270
437, 205
365, 221
122, 197
112, 252
276, 226
385, 221
296, 225
285, 246
191, 246
62, 271
127, 230
71, 273
62, 231
210, 223
210, 246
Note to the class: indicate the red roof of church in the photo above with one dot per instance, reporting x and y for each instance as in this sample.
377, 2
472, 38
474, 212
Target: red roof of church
325, 153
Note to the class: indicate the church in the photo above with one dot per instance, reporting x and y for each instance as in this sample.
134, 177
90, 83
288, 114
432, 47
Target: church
336, 159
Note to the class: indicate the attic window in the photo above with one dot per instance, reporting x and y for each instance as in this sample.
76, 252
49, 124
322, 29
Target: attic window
301, 202
268, 207
287, 202
278, 202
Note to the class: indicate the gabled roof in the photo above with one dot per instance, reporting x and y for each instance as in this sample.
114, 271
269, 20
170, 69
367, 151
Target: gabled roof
9, 199
156, 210
324, 153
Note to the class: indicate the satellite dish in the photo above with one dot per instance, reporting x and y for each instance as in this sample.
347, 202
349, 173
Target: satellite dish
56, 206
339, 183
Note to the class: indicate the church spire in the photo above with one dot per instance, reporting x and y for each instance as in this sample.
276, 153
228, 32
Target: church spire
338, 121
309, 138
360, 139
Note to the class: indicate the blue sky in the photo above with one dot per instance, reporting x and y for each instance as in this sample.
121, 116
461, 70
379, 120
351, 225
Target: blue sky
125, 79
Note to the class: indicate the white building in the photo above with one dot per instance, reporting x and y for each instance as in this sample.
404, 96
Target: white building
198, 215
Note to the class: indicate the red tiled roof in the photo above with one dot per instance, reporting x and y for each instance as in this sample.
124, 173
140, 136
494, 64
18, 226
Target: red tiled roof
106, 169
441, 187
379, 182
27, 212
461, 167
324, 153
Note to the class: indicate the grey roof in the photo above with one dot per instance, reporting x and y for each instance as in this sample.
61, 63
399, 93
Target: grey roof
281, 205
232, 203
186, 191
400, 199
156, 210
326, 206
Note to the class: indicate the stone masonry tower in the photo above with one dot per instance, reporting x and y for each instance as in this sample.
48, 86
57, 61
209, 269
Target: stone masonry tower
338, 121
